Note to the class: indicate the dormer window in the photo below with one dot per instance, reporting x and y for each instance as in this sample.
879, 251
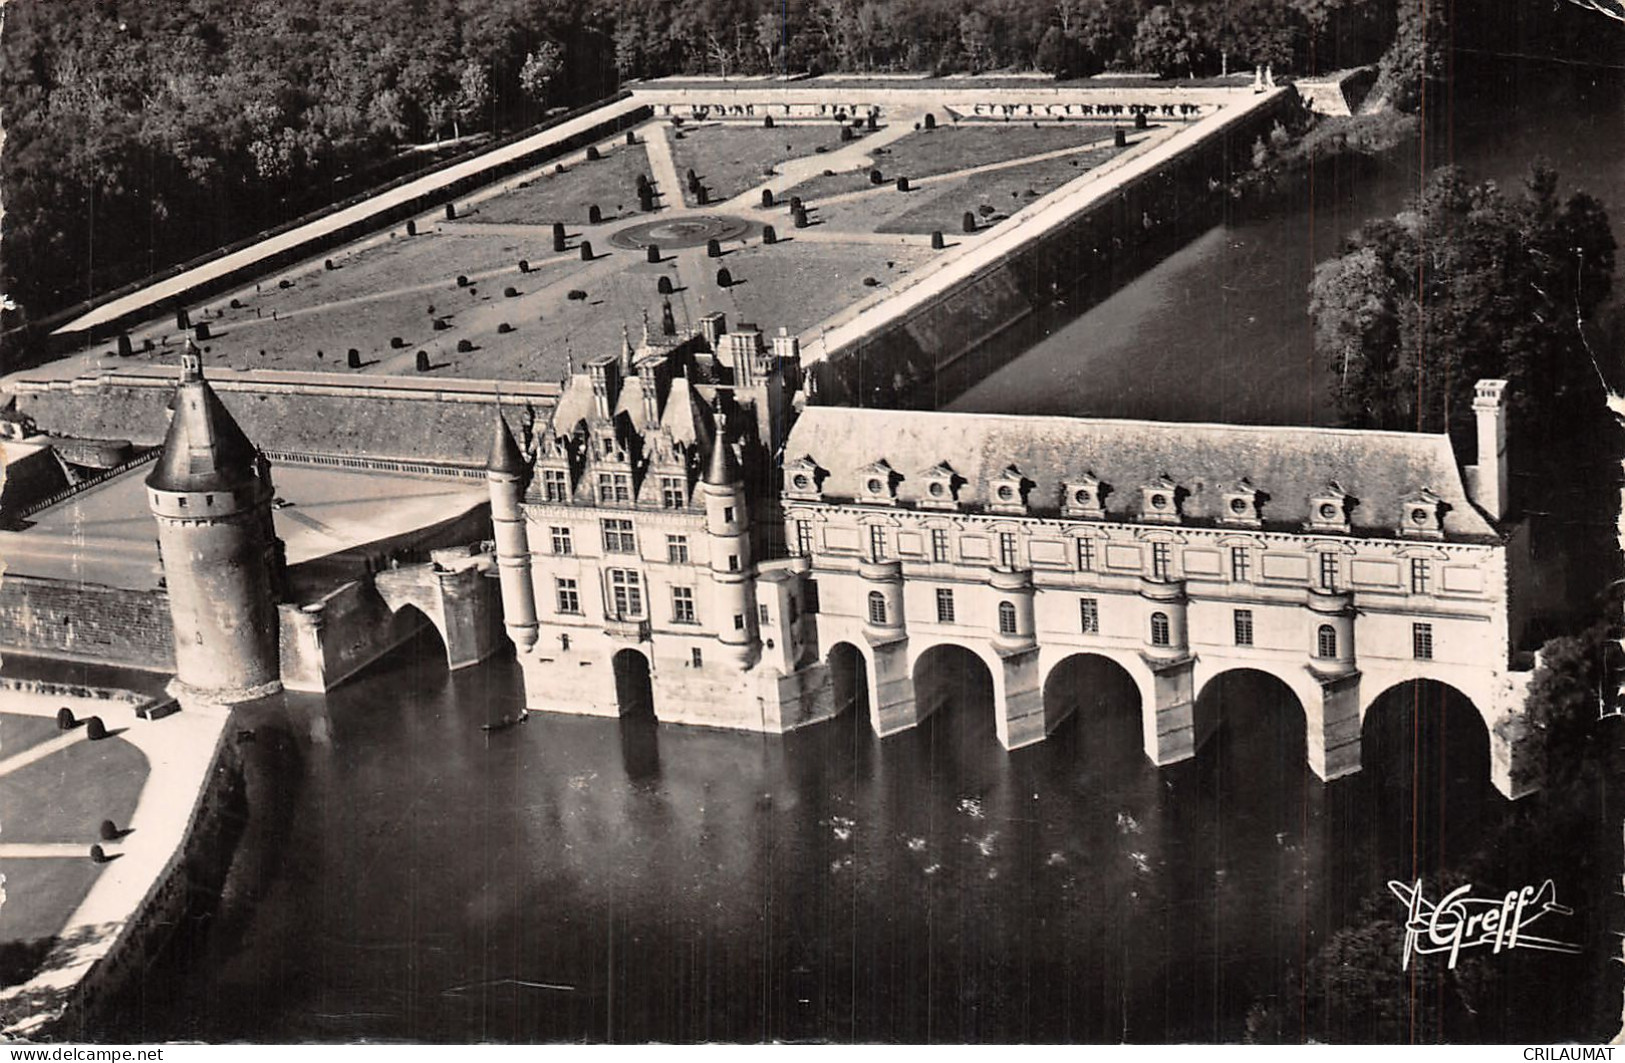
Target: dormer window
1160, 501
1007, 492
1422, 515
1329, 509
878, 484
1243, 505
942, 485
1084, 497
804, 480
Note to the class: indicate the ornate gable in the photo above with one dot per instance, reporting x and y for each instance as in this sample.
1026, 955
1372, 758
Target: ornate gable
941, 490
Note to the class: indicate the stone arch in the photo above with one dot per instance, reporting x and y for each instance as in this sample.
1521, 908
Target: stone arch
850, 682
634, 684
414, 589
1225, 683
1440, 712
952, 673
1082, 677
409, 622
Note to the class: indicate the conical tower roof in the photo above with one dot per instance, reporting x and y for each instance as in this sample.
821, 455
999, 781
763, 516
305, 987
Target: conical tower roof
721, 468
505, 456
205, 449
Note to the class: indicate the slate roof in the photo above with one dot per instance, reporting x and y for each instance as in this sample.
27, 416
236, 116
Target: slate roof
505, 456
204, 449
1288, 464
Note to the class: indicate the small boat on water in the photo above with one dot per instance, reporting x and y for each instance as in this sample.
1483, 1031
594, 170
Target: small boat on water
506, 722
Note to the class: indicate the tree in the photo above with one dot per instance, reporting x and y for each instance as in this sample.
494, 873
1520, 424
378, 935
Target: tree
1418, 55
1166, 42
473, 95
976, 37
1576, 688
541, 67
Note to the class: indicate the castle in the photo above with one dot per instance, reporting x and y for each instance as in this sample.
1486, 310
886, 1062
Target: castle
684, 536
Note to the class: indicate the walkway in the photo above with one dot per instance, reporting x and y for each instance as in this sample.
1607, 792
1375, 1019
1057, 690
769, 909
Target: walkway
156, 294
39, 752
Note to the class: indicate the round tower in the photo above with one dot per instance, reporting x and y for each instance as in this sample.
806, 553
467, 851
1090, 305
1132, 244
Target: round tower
733, 569
210, 492
505, 474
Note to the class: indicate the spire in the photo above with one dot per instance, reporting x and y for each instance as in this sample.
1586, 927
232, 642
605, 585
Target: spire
505, 456
204, 449
722, 468
626, 353
648, 340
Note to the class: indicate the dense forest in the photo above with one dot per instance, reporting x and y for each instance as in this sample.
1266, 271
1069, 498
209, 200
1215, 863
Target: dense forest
141, 133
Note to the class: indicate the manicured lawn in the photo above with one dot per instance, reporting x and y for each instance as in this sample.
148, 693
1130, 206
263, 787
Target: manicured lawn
41, 892
19, 732
942, 204
64, 797
728, 159
610, 184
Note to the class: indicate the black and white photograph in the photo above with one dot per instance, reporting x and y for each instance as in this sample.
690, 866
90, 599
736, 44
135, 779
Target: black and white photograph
694, 522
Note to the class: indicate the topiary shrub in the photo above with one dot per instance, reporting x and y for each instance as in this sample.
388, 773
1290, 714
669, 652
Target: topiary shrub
936, 241
441, 324
702, 195
237, 304
201, 330
462, 281
769, 235
328, 265
724, 278
65, 720
970, 222
108, 831
631, 137
767, 122
663, 286
586, 250
397, 342
464, 346
1140, 122
524, 265
353, 359
504, 328
423, 361
98, 854
875, 178
576, 295
646, 201
592, 153
510, 292
902, 184
559, 168
871, 122
411, 227
846, 133
801, 218
595, 216
985, 210
451, 212
1119, 138
767, 197
652, 253
870, 282
713, 248
930, 121
95, 730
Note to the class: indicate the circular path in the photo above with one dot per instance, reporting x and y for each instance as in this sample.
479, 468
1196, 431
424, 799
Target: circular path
687, 231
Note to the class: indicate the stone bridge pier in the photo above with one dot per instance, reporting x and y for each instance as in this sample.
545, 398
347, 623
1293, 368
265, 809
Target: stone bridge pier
458, 592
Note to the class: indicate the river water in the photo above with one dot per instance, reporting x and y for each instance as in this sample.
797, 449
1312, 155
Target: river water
405, 874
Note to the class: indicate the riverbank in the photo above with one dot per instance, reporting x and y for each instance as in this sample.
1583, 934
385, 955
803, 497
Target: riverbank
180, 830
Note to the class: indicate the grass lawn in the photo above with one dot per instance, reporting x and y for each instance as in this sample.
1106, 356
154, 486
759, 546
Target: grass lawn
942, 204
800, 288
65, 796
19, 732
728, 159
610, 183
41, 892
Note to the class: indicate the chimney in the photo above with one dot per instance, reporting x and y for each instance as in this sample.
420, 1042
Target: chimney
786, 348
1488, 479
713, 326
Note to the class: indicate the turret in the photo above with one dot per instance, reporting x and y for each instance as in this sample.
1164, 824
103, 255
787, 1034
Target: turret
727, 525
210, 492
505, 475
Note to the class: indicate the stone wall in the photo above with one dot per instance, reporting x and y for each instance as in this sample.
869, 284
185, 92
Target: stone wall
85, 621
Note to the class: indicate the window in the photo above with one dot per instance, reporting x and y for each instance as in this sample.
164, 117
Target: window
877, 608
682, 605
1160, 635
812, 596
626, 594
555, 485
569, 597
561, 541
761, 613
1160, 558
1244, 627
1421, 575
1328, 572
677, 549
1086, 555
1089, 609
614, 488
618, 537
1007, 618
1422, 641
696, 657
727, 514
1326, 642
739, 621
733, 562
1007, 549
671, 492
183, 503
1241, 564
564, 643
939, 545
804, 543
945, 605
877, 543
